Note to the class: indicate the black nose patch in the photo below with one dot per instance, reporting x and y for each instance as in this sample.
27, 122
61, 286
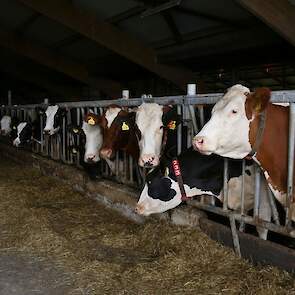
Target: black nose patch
160, 188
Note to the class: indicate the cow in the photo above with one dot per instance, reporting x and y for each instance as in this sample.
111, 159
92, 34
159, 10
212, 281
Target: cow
8, 126
244, 123
54, 116
93, 137
202, 175
156, 127
28, 131
119, 133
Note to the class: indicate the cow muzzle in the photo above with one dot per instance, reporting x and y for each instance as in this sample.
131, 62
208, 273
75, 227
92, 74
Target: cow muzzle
148, 161
91, 158
139, 209
200, 144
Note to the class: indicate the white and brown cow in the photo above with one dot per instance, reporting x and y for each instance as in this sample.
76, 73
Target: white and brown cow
233, 128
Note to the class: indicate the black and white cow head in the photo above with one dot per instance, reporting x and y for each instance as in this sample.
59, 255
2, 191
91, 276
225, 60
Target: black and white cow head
154, 123
54, 116
160, 193
24, 134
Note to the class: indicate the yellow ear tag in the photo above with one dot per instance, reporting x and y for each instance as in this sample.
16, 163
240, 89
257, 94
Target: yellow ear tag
171, 125
125, 127
75, 130
91, 121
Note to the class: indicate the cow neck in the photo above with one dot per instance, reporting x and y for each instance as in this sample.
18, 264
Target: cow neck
272, 151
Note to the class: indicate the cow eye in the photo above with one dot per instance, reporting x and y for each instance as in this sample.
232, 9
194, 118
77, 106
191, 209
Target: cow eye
234, 111
162, 127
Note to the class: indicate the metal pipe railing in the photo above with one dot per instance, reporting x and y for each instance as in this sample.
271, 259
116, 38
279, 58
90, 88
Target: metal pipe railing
190, 107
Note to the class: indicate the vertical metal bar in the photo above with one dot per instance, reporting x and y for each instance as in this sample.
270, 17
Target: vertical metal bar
41, 135
242, 223
202, 117
9, 98
289, 198
273, 206
257, 191
179, 133
131, 169
192, 90
235, 236
117, 166
64, 134
243, 189
225, 185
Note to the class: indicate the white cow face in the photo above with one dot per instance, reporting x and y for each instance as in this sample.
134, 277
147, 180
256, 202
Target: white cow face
5, 125
150, 125
93, 143
53, 119
227, 132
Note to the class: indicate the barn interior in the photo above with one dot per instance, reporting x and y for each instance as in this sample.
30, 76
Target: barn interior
65, 231
82, 50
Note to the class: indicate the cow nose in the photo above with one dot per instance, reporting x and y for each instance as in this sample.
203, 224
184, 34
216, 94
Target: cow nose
198, 142
139, 209
90, 158
46, 132
148, 161
106, 153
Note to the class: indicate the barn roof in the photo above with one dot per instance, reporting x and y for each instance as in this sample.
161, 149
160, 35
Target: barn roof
81, 48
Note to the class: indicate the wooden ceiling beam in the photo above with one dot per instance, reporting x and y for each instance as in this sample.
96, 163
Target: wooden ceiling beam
111, 37
279, 15
60, 63
40, 81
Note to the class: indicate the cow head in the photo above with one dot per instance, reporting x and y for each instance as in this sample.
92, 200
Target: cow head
160, 193
24, 134
227, 132
54, 115
154, 122
118, 127
93, 137
5, 125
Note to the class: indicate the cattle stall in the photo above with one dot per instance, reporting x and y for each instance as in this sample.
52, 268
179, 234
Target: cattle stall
193, 109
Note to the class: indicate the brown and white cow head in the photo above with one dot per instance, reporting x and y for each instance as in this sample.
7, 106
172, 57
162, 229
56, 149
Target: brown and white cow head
227, 132
153, 122
118, 127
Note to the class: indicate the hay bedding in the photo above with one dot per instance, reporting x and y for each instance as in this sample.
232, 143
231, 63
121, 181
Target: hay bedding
102, 253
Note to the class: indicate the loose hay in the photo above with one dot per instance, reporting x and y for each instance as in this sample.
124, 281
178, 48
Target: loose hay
104, 253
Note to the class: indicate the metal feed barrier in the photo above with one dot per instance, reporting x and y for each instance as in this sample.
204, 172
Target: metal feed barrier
191, 108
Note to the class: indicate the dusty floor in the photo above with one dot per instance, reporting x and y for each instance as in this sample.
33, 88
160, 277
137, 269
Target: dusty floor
55, 241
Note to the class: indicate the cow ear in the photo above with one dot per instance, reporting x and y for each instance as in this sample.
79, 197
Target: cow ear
259, 99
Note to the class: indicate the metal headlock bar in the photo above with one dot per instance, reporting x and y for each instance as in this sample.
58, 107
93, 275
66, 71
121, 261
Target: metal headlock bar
191, 108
